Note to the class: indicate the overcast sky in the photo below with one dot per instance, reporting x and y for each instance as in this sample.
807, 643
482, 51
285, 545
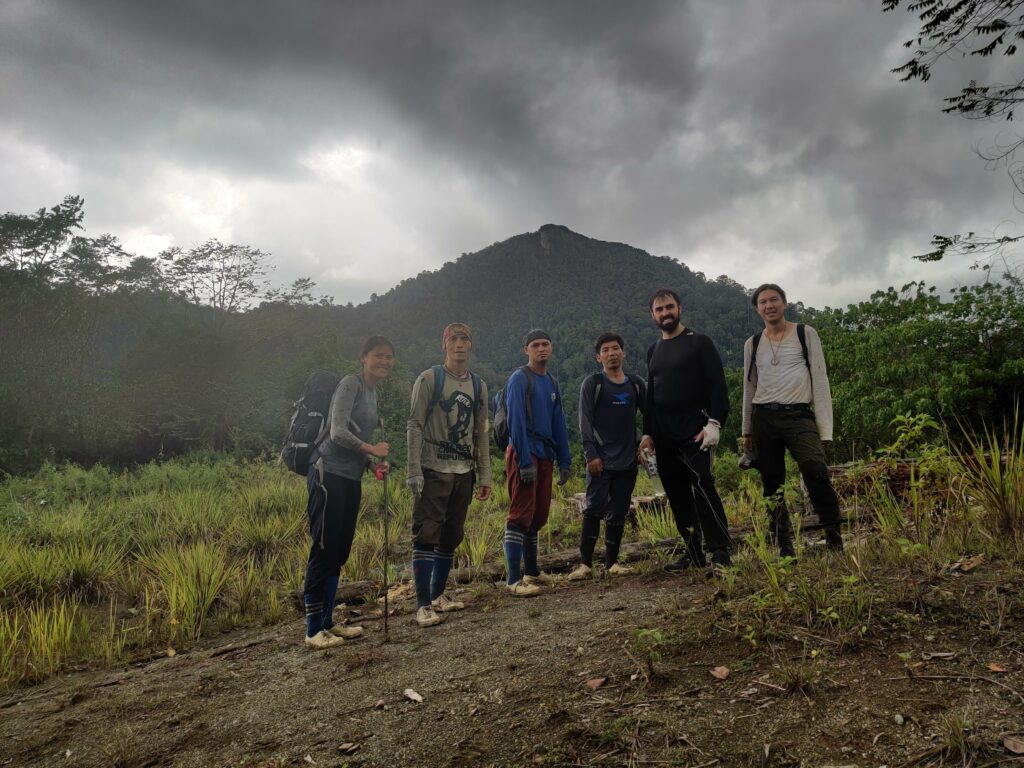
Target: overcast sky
361, 143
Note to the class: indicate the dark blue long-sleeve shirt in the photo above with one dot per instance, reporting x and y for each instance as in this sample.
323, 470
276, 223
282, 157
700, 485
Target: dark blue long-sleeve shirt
548, 437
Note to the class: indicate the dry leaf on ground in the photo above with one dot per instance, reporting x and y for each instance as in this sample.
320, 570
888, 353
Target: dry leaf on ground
720, 673
968, 564
412, 695
993, 667
596, 682
1014, 745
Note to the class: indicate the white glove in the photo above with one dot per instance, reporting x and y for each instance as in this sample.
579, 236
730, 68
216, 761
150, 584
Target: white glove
415, 485
712, 432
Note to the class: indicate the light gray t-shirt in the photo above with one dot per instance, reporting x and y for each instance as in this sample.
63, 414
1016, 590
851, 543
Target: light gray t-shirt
353, 417
791, 381
788, 380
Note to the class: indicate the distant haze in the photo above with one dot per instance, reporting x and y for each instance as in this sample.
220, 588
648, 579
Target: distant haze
361, 143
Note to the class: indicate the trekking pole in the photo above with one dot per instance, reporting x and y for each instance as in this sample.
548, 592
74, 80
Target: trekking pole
383, 475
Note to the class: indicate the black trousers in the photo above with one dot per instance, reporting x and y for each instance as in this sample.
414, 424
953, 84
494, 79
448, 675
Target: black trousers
685, 472
776, 431
609, 495
608, 498
331, 512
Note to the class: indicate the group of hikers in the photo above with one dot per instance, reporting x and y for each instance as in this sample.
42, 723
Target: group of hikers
786, 406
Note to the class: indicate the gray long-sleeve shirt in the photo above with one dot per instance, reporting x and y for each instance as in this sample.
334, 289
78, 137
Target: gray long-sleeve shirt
353, 416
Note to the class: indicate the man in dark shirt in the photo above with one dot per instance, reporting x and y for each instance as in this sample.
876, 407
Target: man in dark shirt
608, 405
686, 407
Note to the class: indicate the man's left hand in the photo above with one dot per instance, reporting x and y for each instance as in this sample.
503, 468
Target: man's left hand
708, 437
563, 475
483, 492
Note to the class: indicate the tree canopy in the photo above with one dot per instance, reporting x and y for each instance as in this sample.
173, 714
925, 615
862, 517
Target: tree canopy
971, 28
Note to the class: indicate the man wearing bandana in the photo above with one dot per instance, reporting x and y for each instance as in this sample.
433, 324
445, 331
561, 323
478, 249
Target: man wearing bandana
448, 453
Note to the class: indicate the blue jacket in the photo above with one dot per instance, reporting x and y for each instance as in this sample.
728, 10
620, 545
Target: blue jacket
548, 439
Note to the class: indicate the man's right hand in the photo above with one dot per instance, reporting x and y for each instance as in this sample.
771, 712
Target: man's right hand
528, 474
415, 485
595, 467
646, 444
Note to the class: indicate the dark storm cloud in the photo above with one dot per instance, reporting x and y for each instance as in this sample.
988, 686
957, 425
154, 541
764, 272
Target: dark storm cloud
760, 139
235, 83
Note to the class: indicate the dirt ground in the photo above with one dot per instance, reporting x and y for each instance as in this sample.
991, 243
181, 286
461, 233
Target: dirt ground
517, 682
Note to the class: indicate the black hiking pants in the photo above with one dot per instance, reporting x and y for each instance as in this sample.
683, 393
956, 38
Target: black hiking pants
685, 472
775, 431
331, 512
608, 498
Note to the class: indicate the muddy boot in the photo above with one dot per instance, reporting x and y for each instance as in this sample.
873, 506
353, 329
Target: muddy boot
612, 543
692, 556
833, 540
782, 532
695, 547
721, 557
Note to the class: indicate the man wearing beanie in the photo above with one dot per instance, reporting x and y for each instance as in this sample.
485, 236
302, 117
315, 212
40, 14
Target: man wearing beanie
449, 452
537, 439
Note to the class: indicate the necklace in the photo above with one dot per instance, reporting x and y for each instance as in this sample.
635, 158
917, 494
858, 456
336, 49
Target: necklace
459, 376
776, 347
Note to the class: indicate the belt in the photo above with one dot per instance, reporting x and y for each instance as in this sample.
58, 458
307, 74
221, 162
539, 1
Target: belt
806, 407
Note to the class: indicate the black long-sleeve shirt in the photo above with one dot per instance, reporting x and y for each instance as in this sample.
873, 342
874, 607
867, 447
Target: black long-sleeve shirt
685, 387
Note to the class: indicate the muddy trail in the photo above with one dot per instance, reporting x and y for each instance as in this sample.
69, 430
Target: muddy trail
579, 675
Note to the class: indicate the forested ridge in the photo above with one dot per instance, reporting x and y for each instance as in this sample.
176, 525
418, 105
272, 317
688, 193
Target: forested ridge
107, 356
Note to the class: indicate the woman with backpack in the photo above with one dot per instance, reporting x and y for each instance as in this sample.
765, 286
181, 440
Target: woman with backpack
334, 483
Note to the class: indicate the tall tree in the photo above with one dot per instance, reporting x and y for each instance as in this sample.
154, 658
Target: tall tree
34, 242
980, 28
226, 277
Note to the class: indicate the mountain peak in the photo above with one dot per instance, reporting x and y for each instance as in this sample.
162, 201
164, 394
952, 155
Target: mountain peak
551, 228
573, 286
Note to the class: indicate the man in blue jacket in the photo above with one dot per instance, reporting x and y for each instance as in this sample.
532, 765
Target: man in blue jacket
537, 439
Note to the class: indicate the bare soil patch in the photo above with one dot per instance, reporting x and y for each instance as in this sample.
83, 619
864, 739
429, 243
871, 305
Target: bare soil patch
519, 682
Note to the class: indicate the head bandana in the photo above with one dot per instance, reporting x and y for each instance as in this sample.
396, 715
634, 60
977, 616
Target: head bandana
451, 329
535, 334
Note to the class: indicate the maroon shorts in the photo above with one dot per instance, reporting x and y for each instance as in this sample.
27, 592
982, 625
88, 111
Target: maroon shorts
530, 503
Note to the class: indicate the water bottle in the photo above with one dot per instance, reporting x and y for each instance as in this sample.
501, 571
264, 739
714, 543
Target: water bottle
651, 466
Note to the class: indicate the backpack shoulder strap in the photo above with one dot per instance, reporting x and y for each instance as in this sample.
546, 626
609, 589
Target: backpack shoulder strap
754, 341
594, 385
801, 334
435, 395
635, 381
529, 394
477, 389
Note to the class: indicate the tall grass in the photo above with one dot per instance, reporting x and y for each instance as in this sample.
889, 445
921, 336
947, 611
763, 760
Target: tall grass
655, 523
52, 630
172, 550
88, 568
993, 471
10, 632
191, 579
28, 572
482, 544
